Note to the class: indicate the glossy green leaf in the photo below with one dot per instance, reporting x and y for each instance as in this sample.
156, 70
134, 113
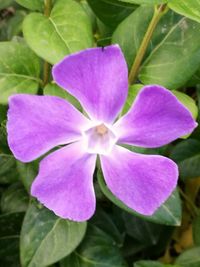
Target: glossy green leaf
32, 5
111, 12
176, 58
196, 231
190, 9
19, 70
189, 258
8, 169
54, 90
67, 30
130, 32
97, 249
46, 238
14, 199
187, 155
169, 213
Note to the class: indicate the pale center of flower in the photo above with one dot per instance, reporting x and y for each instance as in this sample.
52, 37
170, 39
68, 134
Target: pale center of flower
99, 139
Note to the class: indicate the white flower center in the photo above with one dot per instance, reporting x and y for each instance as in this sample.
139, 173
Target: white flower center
99, 139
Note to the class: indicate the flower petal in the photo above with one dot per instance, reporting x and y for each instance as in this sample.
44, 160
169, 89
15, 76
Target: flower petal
65, 183
142, 182
36, 124
155, 119
98, 78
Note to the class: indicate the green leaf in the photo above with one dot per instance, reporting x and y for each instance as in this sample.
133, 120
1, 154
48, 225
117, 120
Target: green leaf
14, 199
187, 155
152, 264
111, 12
67, 30
8, 170
32, 5
176, 58
27, 172
169, 213
188, 102
141, 2
189, 258
55, 90
190, 9
196, 231
46, 238
19, 70
130, 32
97, 249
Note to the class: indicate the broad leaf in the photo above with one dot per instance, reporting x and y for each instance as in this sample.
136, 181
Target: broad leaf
46, 238
14, 199
97, 249
189, 258
169, 213
67, 30
8, 169
5, 3
19, 70
190, 9
177, 57
187, 155
33, 4
111, 12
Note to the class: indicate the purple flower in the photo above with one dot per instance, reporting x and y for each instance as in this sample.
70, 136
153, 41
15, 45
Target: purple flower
98, 79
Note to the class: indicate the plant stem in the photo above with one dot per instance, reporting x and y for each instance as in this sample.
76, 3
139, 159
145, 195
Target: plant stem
46, 68
159, 11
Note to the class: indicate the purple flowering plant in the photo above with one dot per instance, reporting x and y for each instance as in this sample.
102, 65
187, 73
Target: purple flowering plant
98, 78
99, 136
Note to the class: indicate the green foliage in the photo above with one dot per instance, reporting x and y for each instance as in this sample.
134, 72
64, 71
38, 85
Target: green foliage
169, 213
44, 234
190, 9
34, 35
97, 249
67, 30
19, 70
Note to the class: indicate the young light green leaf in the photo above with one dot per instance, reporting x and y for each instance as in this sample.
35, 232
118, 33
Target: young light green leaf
32, 5
19, 70
188, 102
169, 213
67, 30
46, 238
189, 258
176, 58
190, 9
97, 249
